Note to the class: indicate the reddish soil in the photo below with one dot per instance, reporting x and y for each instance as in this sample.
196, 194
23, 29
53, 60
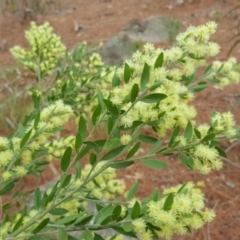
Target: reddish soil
101, 20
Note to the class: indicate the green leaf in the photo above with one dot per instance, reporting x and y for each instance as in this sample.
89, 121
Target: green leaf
154, 163
67, 180
36, 120
96, 114
128, 227
214, 80
65, 162
117, 212
198, 87
155, 147
121, 164
174, 135
115, 80
82, 127
83, 152
168, 202
78, 141
69, 238
186, 160
155, 123
58, 211
104, 213
154, 98
134, 92
145, 76
159, 61
155, 195
51, 194
67, 219
86, 235
136, 210
221, 152
78, 171
6, 207
127, 73
98, 237
208, 137
62, 234
189, 79
197, 133
113, 153
214, 143
100, 143
113, 143
25, 138
41, 225
111, 108
132, 191
92, 145
188, 131
110, 125
155, 85
123, 232
208, 71
38, 238
83, 219
37, 198
147, 139
100, 99
134, 149
63, 90
7, 188
18, 224
92, 158
182, 187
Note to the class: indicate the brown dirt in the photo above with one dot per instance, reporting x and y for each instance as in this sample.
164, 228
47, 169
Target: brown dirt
101, 20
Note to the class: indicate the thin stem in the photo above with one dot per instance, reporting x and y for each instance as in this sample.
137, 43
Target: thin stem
76, 157
70, 229
98, 201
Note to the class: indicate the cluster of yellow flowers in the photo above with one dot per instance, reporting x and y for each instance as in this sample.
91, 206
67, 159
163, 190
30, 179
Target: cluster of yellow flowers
56, 148
105, 185
7, 155
191, 51
204, 156
205, 159
45, 49
51, 119
225, 72
86, 72
187, 212
90, 67
8, 225
224, 123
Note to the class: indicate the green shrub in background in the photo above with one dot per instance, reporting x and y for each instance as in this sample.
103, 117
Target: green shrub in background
152, 90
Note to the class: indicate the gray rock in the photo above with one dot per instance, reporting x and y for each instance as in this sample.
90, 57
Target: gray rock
153, 29
117, 49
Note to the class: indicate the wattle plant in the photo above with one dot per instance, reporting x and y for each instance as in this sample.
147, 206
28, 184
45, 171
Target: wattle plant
152, 91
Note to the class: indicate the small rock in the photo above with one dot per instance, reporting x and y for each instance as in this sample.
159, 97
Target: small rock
117, 49
230, 184
77, 27
3, 44
180, 2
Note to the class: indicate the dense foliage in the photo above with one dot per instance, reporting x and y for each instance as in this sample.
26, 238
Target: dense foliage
151, 91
